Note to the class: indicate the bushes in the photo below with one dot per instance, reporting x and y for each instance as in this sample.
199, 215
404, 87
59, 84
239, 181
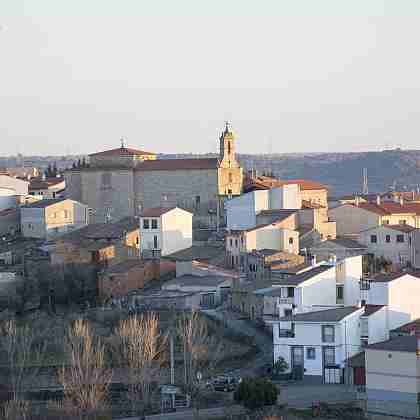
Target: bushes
256, 392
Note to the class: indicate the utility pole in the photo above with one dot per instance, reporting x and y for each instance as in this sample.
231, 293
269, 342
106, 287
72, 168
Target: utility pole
365, 188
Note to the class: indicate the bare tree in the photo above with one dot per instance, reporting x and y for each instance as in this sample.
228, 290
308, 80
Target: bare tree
87, 380
201, 352
140, 346
23, 353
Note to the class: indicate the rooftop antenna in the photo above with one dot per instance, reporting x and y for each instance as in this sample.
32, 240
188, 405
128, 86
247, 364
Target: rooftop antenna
365, 188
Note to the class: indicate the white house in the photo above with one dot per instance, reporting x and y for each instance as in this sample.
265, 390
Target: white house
399, 291
19, 186
393, 377
326, 285
165, 230
51, 218
392, 242
242, 211
316, 344
47, 188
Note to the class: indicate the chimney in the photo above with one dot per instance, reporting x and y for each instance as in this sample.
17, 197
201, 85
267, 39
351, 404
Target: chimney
357, 200
378, 200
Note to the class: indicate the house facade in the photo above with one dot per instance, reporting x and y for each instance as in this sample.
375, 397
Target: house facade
316, 344
47, 188
51, 218
165, 230
393, 242
393, 377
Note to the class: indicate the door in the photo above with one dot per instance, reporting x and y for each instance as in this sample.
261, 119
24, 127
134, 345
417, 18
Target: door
331, 372
297, 363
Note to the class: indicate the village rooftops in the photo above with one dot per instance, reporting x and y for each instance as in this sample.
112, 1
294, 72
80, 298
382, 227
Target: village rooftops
407, 344
404, 228
42, 204
107, 231
156, 211
297, 279
188, 280
386, 278
372, 309
347, 243
197, 253
176, 164
407, 329
265, 183
277, 267
122, 151
43, 184
389, 207
280, 213
125, 266
326, 315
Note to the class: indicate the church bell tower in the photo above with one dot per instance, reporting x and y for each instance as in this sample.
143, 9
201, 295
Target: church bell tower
227, 149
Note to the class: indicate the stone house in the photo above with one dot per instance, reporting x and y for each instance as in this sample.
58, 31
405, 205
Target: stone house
119, 279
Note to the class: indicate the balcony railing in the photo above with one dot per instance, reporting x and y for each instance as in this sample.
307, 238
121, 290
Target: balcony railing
286, 333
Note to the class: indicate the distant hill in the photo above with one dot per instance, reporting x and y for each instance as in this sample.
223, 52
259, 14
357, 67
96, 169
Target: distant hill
343, 171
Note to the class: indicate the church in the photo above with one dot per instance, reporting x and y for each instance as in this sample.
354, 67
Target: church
122, 182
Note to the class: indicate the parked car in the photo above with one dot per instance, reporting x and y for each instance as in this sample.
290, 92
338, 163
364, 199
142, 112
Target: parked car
224, 383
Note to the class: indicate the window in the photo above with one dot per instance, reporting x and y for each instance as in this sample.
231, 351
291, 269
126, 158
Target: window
66, 214
400, 238
154, 224
228, 145
106, 180
137, 240
288, 312
230, 178
310, 353
290, 241
197, 201
402, 222
328, 334
290, 292
373, 239
55, 215
145, 223
236, 243
329, 356
388, 239
242, 240
386, 222
340, 292
155, 242
231, 242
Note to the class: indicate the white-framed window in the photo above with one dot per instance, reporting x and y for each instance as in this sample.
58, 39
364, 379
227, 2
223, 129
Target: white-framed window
310, 353
154, 223
328, 334
146, 224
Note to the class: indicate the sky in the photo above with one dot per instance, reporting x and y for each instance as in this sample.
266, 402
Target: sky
290, 75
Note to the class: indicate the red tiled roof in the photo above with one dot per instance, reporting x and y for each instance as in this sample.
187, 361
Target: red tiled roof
175, 164
122, 151
156, 211
266, 182
388, 208
401, 228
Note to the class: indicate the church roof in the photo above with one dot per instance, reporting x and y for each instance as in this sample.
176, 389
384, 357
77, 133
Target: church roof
122, 151
178, 164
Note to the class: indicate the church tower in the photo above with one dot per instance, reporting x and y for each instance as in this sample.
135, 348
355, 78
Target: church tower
227, 149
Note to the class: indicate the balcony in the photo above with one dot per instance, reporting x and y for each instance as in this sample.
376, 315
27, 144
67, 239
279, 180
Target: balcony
286, 334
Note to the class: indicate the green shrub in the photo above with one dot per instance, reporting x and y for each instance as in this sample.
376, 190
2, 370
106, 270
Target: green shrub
256, 392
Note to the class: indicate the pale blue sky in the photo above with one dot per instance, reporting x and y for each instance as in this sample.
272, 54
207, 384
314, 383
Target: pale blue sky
291, 75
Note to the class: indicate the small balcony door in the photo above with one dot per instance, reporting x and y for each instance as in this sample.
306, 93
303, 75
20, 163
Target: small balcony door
298, 362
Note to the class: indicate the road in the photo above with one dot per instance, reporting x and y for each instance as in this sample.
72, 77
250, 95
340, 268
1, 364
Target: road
262, 339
